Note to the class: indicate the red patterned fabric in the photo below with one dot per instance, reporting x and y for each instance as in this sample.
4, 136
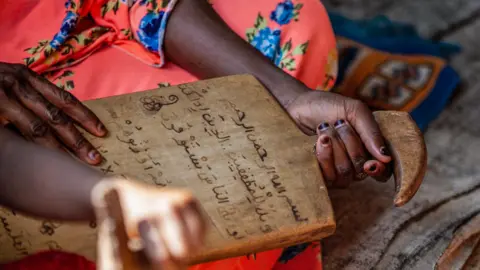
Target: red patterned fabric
51, 260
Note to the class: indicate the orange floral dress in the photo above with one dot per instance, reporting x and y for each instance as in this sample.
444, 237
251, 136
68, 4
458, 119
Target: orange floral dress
100, 48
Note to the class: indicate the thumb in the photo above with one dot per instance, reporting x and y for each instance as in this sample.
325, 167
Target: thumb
362, 120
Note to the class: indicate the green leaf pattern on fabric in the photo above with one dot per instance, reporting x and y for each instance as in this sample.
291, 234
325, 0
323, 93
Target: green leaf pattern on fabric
265, 35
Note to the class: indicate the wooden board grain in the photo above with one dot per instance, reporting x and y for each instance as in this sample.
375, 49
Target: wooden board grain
228, 141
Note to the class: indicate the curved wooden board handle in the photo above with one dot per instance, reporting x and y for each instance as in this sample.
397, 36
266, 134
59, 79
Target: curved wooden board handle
409, 152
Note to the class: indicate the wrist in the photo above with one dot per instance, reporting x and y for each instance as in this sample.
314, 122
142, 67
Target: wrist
232, 55
280, 84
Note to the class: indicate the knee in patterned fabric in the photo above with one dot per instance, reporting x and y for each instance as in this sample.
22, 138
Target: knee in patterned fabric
317, 66
295, 35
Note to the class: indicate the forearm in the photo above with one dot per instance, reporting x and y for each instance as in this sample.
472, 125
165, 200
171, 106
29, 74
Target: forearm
42, 182
199, 41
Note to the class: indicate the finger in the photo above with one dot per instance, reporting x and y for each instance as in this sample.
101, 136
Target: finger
354, 147
324, 152
195, 226
153, 244
343, 168
367, 128
378, 170
187, 199
201, 215
68, 103
80, 146
34, 129
174, 232
58, 121
31, 127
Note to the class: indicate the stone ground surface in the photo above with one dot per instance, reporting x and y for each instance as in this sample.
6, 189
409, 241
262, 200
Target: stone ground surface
371, 234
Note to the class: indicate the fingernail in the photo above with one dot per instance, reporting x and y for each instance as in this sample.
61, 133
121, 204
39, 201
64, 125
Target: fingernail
384, 151
93, 155
325, 140
323, 126
101, 128
339, 123
372, 168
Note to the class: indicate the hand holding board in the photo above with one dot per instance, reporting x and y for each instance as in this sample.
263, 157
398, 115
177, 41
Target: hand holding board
229, 142
251, 168
253, 171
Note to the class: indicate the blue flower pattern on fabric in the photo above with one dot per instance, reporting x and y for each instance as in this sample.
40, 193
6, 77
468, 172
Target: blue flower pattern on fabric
68, 4
149, 30
267, 38
267, 41
284, 13
68, 24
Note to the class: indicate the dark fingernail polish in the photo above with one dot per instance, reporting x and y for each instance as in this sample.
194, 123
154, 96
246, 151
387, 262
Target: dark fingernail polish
384, 151
93, 155
323, 126
339, 122
372, 168
325, 140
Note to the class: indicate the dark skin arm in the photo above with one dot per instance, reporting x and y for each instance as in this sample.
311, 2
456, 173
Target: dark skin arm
43, 182
351, 147
218, 51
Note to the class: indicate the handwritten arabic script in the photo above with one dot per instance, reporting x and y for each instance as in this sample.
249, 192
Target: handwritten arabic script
219, 151
21, 236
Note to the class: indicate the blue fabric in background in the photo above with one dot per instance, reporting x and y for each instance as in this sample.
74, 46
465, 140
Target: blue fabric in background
399, 38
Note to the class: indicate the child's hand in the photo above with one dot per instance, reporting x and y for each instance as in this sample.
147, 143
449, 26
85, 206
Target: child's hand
166, 224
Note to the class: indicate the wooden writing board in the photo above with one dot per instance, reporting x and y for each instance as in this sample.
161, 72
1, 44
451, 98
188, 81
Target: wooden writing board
228, 141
